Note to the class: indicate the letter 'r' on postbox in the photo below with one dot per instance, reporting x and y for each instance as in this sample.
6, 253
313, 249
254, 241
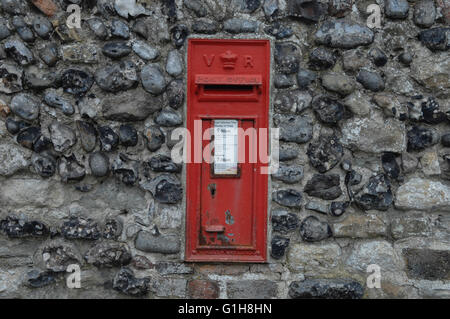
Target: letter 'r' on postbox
226, 192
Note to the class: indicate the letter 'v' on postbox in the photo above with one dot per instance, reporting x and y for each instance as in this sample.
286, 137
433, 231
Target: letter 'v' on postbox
226, 187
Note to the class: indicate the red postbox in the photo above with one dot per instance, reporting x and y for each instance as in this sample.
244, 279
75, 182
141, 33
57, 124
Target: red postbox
226, 195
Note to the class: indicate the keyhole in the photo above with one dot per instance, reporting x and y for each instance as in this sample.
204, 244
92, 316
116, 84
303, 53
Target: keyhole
212, 189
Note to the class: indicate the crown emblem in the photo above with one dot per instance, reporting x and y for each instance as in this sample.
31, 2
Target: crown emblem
228, 59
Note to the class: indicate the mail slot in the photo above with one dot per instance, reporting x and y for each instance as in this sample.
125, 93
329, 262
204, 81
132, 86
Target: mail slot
226, 194
221, 88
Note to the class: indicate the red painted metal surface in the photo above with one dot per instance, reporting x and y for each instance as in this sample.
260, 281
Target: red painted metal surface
226, 215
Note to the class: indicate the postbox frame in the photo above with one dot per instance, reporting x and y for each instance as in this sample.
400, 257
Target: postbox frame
257, 253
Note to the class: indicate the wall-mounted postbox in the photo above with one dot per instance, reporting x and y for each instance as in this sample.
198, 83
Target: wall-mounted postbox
226, 194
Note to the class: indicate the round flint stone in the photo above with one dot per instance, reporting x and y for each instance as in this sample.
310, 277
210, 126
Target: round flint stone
76, 82
317, 207
390, 165
326, 289
28, 136
38, 279
287, 58
53, 99
288, 198
15, 6
11, 78
164, 244
49, 54
39, 80
174, 64
289, 174
283, 221
283, 81
4, 30
322, 58
295, 101
305, 77
128, 135
80, 228
70, 170
116, 50
238, 25
163, 163
406, 58
445, 140
108, 138
175, 93
168, 192
43, 164
425, 13
270, 8
370, 80
62, 135
179, 34
287, 153
152, 79
168, 117
165, 188
396, 9
14, 126
328, 110
25, 33
205, 26
338, 208
419, 138
144, 50
279, 245
19, 52
312, 229
98, 27
196, 6
124, 8
140, 28
324, 186
278, 30
378, 56
42, 26
120, 29
325, 153
88, 135
26, 106
99, 164
118, 77
294, 128
342, 34
436, 38
376, 194
42, 143
155, 138
339, 83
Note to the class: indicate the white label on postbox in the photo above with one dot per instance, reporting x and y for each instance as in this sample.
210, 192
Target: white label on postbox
225, 147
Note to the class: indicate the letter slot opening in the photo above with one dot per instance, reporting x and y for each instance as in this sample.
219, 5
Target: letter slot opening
227, 88
219, 87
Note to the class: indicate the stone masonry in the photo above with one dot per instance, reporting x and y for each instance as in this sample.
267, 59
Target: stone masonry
86, 178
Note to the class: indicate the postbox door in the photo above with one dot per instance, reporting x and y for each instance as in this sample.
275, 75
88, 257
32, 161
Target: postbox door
227, 201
